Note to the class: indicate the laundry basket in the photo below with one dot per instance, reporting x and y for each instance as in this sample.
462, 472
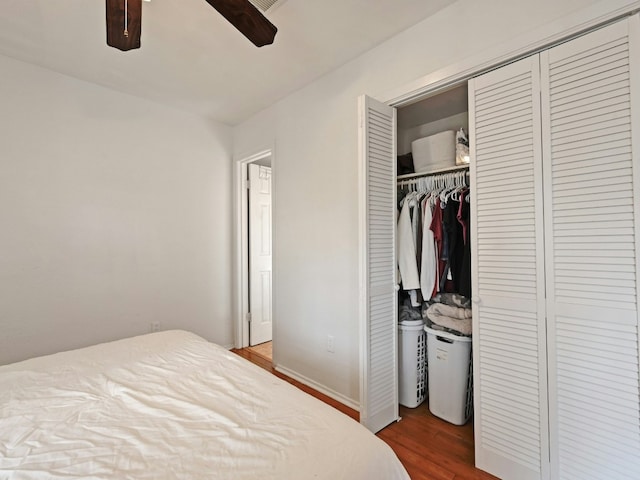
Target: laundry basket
450, 376
412, 365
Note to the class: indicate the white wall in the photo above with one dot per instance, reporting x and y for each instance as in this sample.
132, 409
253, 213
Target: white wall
315, 176
114, 212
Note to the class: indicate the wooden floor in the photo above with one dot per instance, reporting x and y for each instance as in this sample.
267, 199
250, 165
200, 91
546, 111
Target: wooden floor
260, 360
263, 349
429, 448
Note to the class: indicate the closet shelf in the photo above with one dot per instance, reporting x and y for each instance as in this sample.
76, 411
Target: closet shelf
432, 172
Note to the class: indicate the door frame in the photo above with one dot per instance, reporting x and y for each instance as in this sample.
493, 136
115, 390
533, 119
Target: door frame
560, 30
241, 246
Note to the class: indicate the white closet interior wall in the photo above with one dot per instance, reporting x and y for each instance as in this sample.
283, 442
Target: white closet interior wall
446, 110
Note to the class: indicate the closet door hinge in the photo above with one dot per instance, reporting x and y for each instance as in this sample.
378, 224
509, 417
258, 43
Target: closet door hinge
248, 184
248, 317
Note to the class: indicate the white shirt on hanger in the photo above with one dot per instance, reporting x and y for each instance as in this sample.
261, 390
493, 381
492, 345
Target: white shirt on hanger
428, 260
406, 248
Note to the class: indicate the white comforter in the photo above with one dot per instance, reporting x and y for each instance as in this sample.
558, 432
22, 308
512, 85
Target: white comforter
171, 405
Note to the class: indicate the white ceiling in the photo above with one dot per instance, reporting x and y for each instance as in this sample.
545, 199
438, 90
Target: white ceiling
193, 59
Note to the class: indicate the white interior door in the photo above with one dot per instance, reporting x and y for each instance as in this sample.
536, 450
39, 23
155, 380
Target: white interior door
260, 326
591, 228
509, 336
378, 297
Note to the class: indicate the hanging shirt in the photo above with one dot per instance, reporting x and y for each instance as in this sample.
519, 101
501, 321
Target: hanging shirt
436, 228
417, 226
456, 241
406, 248
464, 217
428, 260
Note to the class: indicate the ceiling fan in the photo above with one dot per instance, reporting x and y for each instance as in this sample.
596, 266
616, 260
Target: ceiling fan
124, 21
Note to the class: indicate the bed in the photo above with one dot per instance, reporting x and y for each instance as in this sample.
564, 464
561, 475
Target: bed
172, 405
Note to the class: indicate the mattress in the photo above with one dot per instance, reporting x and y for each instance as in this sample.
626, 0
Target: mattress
172, 405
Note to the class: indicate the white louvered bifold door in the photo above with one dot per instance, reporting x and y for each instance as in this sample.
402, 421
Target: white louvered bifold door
509, 346
379, 382
591, 230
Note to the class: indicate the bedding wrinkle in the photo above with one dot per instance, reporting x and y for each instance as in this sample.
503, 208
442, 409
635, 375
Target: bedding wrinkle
173, 406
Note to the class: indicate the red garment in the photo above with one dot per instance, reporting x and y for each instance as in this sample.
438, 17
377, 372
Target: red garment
460, 216
436, 228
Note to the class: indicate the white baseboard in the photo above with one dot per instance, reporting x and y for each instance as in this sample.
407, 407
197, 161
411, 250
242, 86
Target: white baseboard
320, 388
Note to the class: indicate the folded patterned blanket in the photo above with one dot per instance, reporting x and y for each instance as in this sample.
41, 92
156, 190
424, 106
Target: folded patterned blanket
454, 318
442, 310
453, 299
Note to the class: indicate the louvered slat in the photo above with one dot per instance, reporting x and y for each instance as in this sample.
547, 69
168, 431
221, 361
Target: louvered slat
509, 357
590, 229
380, 396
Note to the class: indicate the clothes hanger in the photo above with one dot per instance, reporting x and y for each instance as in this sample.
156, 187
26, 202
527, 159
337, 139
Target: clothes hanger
450, 186
460, 186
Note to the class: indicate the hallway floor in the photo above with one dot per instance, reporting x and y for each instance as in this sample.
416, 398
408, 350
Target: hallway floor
263, 349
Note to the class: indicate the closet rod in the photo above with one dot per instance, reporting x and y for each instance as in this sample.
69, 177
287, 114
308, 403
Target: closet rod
430, 173
452, 175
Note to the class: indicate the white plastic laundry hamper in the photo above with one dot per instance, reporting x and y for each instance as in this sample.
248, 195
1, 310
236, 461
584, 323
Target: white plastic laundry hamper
412, 369
450, 376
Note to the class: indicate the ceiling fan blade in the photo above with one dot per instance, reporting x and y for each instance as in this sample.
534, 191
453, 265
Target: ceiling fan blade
243, 15
123, 24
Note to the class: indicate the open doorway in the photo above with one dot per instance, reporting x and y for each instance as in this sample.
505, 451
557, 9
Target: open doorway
254, 324
259, 231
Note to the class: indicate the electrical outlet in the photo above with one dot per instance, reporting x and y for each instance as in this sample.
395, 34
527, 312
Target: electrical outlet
154, 327
331, 344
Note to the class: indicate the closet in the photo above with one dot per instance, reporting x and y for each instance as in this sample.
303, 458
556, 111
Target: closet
434, 255
555, 293
555, 183
436, 182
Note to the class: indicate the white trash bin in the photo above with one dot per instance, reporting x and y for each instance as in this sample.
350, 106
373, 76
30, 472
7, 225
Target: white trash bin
450, 376
412, 355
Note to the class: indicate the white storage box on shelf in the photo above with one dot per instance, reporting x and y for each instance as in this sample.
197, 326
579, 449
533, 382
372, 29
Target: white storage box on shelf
450, 376
434, 152
412, 346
